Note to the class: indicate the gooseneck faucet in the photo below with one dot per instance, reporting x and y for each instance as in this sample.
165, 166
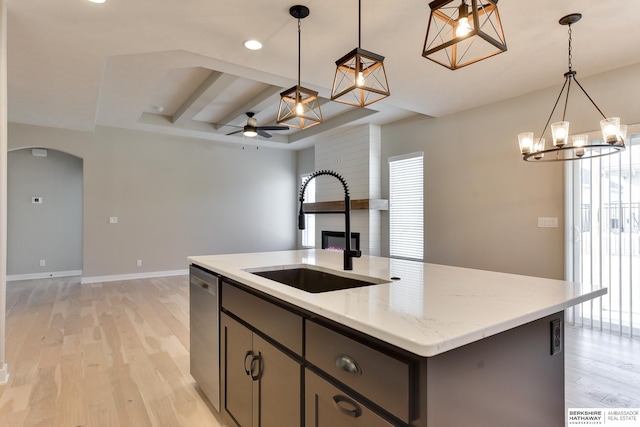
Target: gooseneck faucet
349, 254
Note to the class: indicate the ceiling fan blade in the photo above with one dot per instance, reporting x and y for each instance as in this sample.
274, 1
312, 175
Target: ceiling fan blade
273, 127
263, 133
235, 131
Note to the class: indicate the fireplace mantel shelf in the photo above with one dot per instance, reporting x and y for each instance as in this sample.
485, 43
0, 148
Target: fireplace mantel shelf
360, 204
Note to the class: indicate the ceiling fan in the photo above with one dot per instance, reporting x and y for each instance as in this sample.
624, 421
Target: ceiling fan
252, 129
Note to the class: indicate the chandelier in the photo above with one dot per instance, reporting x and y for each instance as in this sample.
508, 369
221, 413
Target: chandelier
613, 133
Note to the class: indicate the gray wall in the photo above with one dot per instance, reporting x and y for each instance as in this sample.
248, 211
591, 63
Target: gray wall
51, 231
481, 200
173, 197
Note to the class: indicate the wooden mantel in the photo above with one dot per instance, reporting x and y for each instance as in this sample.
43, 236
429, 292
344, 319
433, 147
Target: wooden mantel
338, 205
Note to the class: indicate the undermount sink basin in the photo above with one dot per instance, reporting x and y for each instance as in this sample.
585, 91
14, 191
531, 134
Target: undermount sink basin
314, 280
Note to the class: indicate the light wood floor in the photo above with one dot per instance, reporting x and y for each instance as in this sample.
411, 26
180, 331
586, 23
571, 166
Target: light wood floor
117, 354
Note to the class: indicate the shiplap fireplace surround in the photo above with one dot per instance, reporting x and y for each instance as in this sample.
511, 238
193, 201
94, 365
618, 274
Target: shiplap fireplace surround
355, 154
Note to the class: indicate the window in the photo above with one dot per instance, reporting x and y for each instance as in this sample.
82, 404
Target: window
603, 248
406, 219
309, 233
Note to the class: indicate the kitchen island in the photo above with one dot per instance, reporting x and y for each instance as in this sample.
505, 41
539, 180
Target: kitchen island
428, 345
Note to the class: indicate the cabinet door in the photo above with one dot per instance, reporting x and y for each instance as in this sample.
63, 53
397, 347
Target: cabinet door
328, 406
237, 385
279, 395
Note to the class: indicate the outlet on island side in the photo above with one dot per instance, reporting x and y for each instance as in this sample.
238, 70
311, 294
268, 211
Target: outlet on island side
139, 263
556, 336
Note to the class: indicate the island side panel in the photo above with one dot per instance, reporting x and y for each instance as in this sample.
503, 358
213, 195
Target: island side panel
509, 379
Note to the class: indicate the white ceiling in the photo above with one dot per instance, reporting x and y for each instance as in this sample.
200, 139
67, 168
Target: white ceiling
74, 64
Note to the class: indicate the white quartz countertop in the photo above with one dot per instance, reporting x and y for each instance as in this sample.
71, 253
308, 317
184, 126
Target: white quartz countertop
431, 309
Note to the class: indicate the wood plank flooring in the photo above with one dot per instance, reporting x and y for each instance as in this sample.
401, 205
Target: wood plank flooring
110, 354
117, 354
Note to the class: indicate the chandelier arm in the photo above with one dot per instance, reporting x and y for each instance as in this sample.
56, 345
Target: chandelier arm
605, 150
566, 100
554, 107
587, 95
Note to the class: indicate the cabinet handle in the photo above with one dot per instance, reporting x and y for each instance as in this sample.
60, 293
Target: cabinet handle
348, 364
246, 356
354, 412
254, 359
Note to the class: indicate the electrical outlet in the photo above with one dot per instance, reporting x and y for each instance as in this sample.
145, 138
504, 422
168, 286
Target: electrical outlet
42, 263
139, 263
556, 336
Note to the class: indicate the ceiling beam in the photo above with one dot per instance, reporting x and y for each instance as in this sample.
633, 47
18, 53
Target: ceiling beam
342, 119
263, 100
209, 90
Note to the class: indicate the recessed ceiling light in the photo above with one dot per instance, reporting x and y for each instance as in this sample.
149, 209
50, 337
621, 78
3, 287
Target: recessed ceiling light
253, 45
97, 1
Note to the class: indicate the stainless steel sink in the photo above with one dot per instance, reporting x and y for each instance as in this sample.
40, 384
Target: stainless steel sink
315, 280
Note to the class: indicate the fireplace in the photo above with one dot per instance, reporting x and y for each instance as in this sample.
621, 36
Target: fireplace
334, 240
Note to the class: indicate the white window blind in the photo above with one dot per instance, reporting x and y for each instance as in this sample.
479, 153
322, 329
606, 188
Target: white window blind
406, 218
603, 230
309, 233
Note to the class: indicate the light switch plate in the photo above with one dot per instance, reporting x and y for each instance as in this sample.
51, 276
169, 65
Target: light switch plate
548, 222
113, 220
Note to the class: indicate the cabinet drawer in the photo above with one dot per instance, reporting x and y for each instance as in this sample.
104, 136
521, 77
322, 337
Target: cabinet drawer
379, 377
328, 406
276, 322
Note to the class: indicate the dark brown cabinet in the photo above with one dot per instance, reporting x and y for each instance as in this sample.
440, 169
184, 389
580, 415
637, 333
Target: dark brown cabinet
261, 384
328, 406
285, 367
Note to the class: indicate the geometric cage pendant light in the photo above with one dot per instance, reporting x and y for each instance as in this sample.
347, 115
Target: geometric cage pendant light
572, 147
460, 34
360, 78
299, 106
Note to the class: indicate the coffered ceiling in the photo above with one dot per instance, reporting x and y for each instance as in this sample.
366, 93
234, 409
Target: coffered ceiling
180, 67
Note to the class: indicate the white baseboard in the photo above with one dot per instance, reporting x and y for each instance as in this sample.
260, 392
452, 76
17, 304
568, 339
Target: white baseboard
15, 277
117, 277
4, 374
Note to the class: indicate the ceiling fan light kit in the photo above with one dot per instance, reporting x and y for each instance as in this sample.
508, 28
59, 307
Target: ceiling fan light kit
299, 106
251, 129
572, 147
462, 33
360, 78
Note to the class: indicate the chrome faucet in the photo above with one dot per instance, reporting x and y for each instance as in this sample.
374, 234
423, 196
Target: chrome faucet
349, 254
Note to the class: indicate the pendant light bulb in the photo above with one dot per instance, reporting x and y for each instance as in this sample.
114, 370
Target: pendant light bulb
360, 79
463, 28
299, 109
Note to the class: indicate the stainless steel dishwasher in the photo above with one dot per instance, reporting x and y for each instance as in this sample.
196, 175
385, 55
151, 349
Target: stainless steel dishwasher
204, 323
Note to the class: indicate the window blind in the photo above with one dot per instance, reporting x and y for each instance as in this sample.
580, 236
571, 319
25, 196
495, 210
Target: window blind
309, 233
603, 236
406, 218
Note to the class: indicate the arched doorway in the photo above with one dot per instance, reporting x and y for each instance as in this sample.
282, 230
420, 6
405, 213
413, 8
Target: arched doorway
44, 217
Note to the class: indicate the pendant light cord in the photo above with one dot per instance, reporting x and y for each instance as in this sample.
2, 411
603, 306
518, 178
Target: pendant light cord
569, 56
359, 24
299, 50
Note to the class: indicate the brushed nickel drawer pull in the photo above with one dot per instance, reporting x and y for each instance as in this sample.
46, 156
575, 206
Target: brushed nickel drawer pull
354, 412
348, 364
